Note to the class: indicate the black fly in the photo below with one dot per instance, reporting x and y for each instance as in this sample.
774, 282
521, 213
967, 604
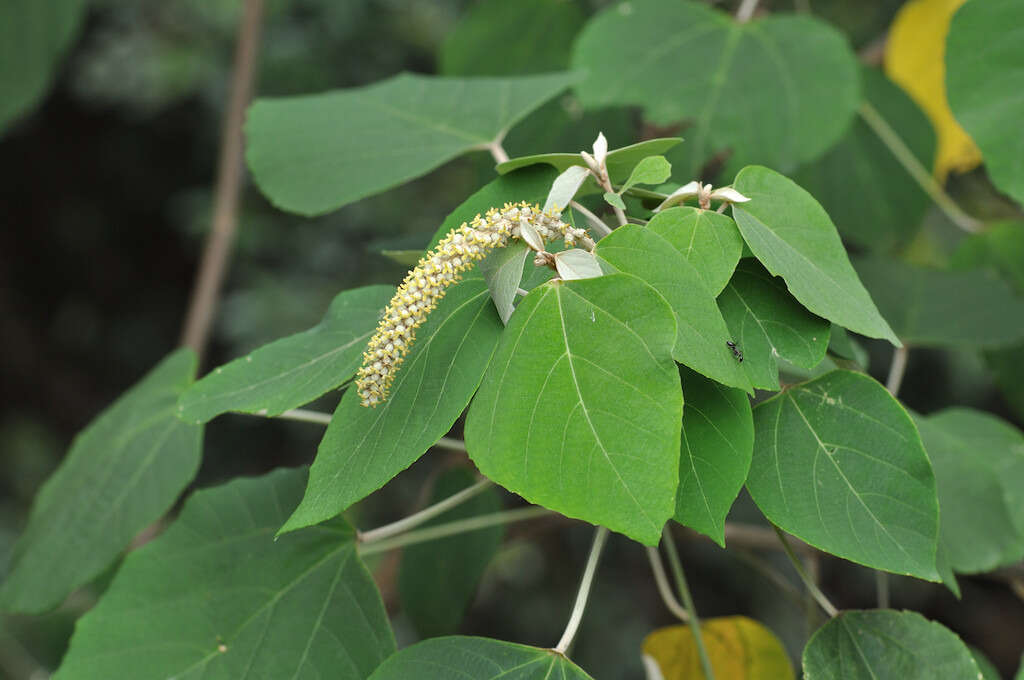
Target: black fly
735, 350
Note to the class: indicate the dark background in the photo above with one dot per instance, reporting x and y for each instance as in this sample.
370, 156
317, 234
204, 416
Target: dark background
105, 193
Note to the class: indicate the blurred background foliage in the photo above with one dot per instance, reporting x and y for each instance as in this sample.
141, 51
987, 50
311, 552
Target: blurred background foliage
106, 192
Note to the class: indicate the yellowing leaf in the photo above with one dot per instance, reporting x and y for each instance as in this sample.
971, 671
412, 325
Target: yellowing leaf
915, 60
739, 649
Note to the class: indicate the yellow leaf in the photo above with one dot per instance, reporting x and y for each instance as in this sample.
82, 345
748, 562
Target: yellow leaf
739, 649
915, 60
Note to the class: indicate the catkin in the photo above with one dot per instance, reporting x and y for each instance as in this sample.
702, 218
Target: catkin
428, 282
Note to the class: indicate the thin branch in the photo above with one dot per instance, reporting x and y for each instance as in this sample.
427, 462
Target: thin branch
319, 418
593, 220
217, 252
418, 518
746, 10
896, 370
909, 161
684, 592
812, 587
452, 528
882, 589
600, 536
664, 589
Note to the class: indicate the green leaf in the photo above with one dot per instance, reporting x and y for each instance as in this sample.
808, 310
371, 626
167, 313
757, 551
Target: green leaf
651, 170
838, 462
216, 597
873, 200
777, 91
717, 442
33, 38
886, 645
503, 271
1000, 247
124, 471
940, 308
791, 234
461, 658
979, 471
709, 240
768, 325
577, 263
985, 84
842, 345
315, 153
497, 37
620, 161
701, 333
294, 370
437, 579
363, 447
565, 187
581, 409
1007, 366
407, 257
613, 199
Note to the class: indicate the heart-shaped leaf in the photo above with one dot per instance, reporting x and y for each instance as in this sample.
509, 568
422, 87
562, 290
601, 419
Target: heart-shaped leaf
581, 408
838, 462
709, 240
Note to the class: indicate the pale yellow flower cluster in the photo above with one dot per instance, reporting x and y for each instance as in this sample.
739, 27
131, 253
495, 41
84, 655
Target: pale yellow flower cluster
425, 285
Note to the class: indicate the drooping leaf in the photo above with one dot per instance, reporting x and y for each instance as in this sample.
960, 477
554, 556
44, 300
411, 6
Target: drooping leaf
701, 333
886, 645
709, 240
315, 153
496, 37
939, 308
363, 448
217, 597
777, 91
870, 196
503, 271
914, 60
738, 649
124, 471
979, 472
461, 658
437, 579
581, 408
985, 78
794, 238
717, 442
565, 187
294, 370
620, 161
768, 325
838, 462
33, 38
577, 263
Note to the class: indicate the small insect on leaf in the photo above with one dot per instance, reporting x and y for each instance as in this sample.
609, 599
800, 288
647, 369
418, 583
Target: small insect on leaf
735, 350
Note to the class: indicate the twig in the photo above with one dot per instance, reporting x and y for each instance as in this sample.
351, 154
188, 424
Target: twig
452, 528
896, 370
213, 266
593, 220
663, 587
497, 151
684, 592
600, 536
746, 10
428, 513
917, 171
812, 587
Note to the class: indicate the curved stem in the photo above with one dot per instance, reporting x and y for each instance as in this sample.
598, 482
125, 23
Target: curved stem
452, 528
304, 416
663, 587
593, 220
896, 370
812, 587
228, 190
497, 151
600, 536
746, 11
909, 161
418, 518
684, 592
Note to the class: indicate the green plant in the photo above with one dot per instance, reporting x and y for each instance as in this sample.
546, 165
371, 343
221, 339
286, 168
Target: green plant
630, 379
